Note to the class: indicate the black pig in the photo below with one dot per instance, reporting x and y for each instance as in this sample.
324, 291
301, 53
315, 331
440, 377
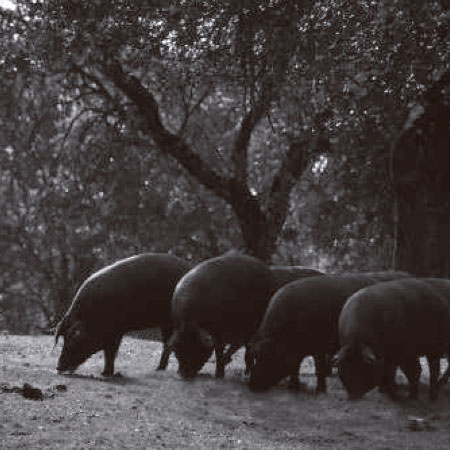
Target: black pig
131, 294
217, 303
391, 325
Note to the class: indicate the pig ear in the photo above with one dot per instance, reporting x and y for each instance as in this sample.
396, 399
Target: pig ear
368, 355
61, 328
335, 360
339, 356
205, 339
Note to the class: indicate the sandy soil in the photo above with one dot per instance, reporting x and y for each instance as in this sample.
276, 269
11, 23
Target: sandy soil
146, 409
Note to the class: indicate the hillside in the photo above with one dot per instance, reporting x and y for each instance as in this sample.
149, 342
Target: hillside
147, 409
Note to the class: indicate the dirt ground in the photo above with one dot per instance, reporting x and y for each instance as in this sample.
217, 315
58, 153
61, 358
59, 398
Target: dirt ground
146, 409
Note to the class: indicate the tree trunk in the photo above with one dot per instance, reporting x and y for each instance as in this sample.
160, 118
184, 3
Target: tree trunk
421, 176
258, 231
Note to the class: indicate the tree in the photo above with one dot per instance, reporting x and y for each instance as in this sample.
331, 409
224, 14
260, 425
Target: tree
111, 66
421, 173
133, 126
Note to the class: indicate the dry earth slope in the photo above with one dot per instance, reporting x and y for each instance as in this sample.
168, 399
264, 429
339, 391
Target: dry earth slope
146, 409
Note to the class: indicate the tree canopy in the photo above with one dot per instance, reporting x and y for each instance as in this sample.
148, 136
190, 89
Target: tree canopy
193, 127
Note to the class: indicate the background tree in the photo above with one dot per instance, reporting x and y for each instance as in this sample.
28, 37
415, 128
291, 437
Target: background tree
161, 126
421, 173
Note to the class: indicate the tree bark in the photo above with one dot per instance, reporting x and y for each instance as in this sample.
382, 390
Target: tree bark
421, 172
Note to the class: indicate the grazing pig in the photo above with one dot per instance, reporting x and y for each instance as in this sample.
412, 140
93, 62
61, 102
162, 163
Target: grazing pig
219, 302
301, 320
131, 294
391, 325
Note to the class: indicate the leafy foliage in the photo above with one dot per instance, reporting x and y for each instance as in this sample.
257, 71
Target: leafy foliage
166, 126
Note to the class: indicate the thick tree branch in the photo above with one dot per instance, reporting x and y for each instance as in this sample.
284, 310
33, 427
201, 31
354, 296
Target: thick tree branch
285, 179
240, 148
166, 141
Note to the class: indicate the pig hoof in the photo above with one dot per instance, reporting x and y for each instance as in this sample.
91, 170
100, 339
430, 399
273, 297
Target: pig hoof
111, 375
